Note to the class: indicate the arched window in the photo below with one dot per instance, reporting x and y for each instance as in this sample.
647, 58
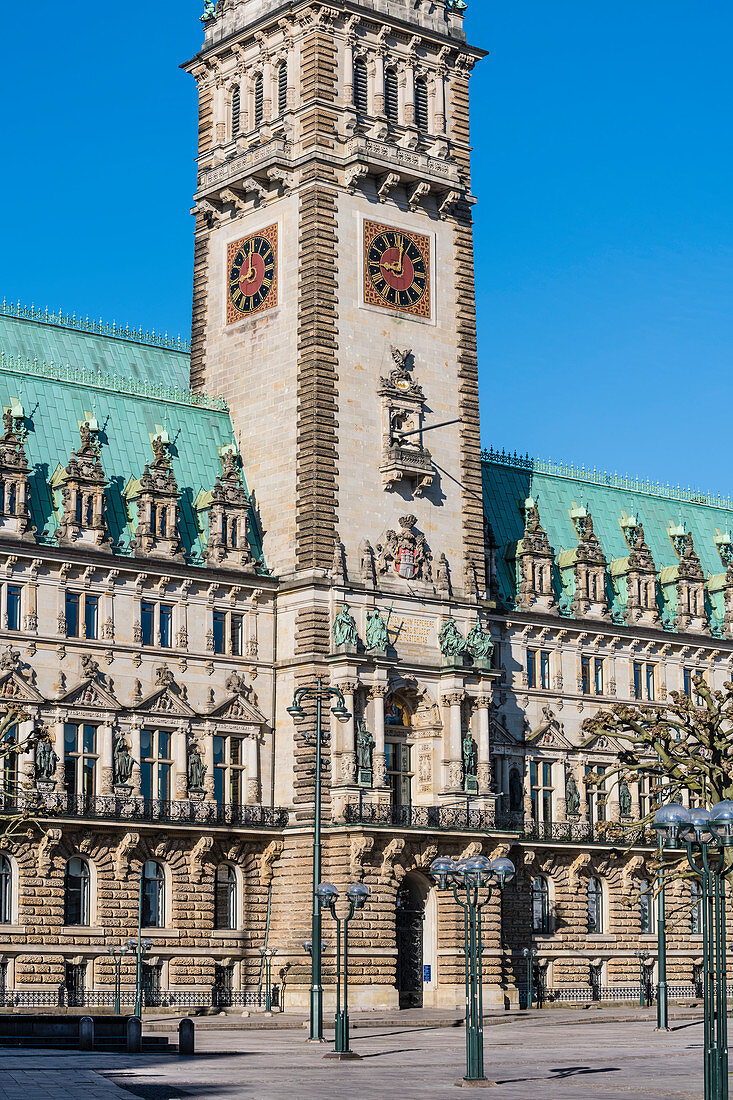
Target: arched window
76, 892
540, 905
6, 891
422, 113
646, 909
391, 96
696, 909
153, 886
282, 88
361, 86
225, 897
259, 99
235, 111
595, 906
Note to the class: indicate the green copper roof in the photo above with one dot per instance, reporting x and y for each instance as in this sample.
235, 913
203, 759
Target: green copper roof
129, 413
509, 479
51, 338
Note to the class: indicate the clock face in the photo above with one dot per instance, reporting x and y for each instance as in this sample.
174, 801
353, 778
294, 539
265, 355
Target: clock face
396, 269
252, 274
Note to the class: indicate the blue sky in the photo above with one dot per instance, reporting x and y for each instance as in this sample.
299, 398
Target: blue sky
604, 227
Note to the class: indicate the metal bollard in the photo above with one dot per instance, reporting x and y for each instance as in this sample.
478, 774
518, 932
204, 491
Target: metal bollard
86, 1033
134, 1035
186, 1037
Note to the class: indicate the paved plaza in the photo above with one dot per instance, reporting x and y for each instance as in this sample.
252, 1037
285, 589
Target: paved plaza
542, 1057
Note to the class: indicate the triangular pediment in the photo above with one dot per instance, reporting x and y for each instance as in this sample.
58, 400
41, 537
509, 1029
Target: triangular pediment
90, 693
602, 743
165, 701
237, 709
549, 733
15, 686
500, 735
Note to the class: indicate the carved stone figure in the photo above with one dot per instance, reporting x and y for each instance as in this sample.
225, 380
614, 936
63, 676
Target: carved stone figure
479, 644
364, 749
366, 562
196, 769
46, 758
377, 636
442, 576
344, 629
451, 641
470, 762
407, 552
572, 795
123, 763
624, 798
209, 12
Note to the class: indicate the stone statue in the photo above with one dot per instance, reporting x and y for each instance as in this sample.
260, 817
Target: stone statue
209, 11
344, 629
624, 799
470, 759
377, 636
123, 763
364, 748
442, 576
46, 758
479, 644
572, 795
196, 769
516, 791
451, 641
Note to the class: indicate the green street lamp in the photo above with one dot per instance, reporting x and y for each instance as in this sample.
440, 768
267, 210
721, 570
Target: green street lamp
357, 895
321, 693
267, 954
470, 877
139, 948
643, 957
116, 954
705, 836
530, 954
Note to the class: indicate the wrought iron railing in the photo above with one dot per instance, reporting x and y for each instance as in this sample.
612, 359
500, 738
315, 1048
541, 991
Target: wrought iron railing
583, 832
115, 808
210, 997
584, 994
457, 816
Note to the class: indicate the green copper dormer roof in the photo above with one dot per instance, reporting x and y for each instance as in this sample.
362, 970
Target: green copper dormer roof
508, 480
129, 414
109, 349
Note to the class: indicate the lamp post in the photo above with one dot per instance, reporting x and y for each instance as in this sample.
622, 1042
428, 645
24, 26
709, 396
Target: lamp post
469, 877
643, 958
116, 954
662, 1001
357, 895
139, 948
530, 954
267, 954
705, 835
321, 693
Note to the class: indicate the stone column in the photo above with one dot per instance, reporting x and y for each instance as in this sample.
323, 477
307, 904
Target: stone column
135, 753
209, 762
376, 696
180, 764
348, 74
483, 702
267, 78
440, 101
582, 790
344, 739
58, 744
378, 85
219, 113
453, 701
409, 95
253, 771
106, 757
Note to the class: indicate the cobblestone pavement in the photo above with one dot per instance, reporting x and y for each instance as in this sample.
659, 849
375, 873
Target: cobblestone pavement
530, 1060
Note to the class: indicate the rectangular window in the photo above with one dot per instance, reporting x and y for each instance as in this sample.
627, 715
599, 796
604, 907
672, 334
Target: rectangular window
534, 793
545, 670
236, 635
13, 607
91, 616
229, 770
585, 675
80, 759
637, 679
531, 667
72, 615
166, 626
147, 622
398, 772
598, 675
687, 682
650, 681
155, 764
219, 621
9, 765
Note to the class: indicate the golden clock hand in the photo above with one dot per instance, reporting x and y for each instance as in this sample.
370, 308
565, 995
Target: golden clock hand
250, 270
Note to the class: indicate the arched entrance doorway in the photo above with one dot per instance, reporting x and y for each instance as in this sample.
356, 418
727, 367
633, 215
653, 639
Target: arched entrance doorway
415, 936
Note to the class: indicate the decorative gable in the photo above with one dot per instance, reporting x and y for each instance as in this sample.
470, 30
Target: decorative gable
534, 561
550, 732
15, 519
167, 698
81, 486
228, 542
156, 497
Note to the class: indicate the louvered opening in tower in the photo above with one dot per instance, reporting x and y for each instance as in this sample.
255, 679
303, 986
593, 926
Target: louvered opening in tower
259, 100
282, 88
361, 86
391, 96
422, 120
235, 112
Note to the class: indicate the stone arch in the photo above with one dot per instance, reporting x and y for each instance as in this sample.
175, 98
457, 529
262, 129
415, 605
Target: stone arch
416, 927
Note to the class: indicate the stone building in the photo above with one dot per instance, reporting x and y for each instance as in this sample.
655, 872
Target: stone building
174, 566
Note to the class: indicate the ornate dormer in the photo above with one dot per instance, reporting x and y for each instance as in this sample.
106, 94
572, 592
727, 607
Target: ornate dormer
534, 562
688, 583
640, 574
403, 455
82, 486
228, 542
720, 586
589, 567
14, 514
156, 497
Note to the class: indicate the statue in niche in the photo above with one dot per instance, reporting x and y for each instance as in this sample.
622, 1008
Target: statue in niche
572, 795
364, 749
624, 798
516, 791
479, 644
196, 769
442, 576
470, 763
377, 636
451, 641
344, 629
46, 757
123, 763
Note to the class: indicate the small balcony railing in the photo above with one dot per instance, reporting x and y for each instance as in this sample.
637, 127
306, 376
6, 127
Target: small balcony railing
130, 808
